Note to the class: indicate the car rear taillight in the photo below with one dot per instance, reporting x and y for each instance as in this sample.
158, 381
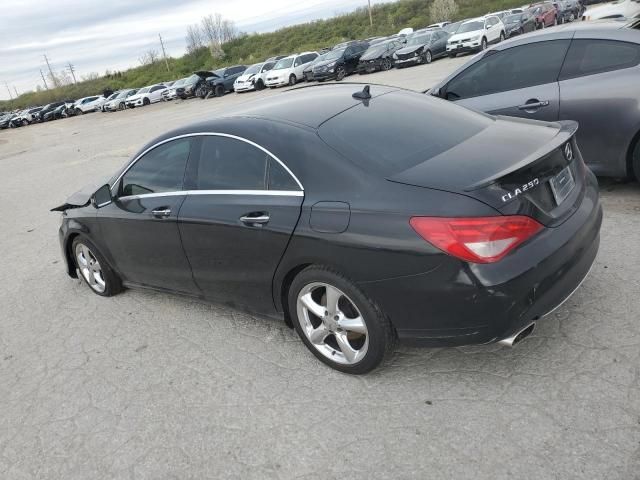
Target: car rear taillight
476, 239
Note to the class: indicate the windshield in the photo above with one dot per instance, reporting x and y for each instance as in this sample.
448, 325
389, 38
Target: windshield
471, 27
144, 90
375, 51
177, 83
219, 72
113, 96
512, 18
253, 69
334, 54
452, 27
284, 63
419, 40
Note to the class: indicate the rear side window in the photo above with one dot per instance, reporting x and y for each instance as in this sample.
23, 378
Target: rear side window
230, 164
400, 130
588, 57
518, 67
279, 178
160, 170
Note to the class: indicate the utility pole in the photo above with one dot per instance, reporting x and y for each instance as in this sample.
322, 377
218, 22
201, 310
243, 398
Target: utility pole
8, 90
164, 54
49, 66
16, 90
72, 70
45, 82
370, 15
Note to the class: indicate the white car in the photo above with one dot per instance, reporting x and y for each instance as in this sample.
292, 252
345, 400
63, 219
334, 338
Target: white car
146, 96
108, 99
119, 101
619, 9
253, 77
86, 104
25, 117
439, 25
289, 70
405, 31
170, 92
474, 35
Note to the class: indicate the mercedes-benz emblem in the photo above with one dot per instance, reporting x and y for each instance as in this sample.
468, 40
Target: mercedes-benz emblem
568, 152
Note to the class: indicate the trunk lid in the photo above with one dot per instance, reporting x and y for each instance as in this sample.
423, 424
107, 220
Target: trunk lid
538, 175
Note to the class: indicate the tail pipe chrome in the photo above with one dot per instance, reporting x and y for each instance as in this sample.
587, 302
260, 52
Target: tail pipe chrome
518, 336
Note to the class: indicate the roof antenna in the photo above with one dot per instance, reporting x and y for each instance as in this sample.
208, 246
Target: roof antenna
363, 95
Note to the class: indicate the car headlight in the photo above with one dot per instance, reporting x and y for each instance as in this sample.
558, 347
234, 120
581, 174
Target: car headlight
395, 57
476, 38
332, 64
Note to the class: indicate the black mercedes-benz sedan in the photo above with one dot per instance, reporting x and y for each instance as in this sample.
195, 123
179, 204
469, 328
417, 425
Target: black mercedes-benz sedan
362, 216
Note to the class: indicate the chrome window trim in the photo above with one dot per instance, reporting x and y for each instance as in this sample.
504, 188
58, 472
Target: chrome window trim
278, 193
206, 134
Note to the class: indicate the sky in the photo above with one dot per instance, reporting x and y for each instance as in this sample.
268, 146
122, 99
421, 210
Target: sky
96, 35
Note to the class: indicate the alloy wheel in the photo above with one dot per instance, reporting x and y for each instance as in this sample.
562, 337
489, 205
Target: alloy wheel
428, 57
90, 268
340, 73
483, 44
386, 64
332, 323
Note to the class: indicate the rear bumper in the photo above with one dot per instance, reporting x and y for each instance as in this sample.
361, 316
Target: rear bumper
460, 303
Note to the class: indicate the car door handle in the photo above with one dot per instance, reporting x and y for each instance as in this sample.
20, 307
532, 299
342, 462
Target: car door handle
161, 212
255, 219
534, 105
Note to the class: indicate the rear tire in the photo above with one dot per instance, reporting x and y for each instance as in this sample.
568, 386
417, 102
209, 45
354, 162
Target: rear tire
350, 334
635, 160
94, 269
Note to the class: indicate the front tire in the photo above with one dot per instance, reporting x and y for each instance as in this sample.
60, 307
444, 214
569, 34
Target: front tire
219, 92
94, 269
338, 323
146, 101
635, 160
79, 112
386, 64
292, 80
483, 44
340, 73
260, 85
428, 57
501, 36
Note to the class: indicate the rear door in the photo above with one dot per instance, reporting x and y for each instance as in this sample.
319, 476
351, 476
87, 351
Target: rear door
236, 221
521, 81
439, 45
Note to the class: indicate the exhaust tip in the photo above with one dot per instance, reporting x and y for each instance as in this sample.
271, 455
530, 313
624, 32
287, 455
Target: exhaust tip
519, 336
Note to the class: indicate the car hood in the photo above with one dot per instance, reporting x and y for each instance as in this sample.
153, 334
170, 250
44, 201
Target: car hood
324, 63
82, 197
465, 35
372, 55
244, 78
137, 96
411, 49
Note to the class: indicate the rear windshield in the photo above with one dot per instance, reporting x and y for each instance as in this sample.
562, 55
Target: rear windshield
400, 130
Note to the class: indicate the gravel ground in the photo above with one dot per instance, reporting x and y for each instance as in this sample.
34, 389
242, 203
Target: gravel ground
146, 385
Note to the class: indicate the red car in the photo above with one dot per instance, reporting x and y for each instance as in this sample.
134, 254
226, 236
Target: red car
545, 14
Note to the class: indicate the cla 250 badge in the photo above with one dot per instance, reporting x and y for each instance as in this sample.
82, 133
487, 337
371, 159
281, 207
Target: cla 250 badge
520, 190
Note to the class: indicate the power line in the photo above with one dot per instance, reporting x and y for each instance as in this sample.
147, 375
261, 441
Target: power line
72, 70
164, 54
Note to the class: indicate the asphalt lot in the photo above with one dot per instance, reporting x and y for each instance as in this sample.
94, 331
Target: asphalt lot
145, 385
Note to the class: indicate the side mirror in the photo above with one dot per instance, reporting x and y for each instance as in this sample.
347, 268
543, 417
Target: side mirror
435, 92
102, 197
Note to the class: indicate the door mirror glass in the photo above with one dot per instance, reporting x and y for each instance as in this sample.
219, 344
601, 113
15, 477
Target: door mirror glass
102, 196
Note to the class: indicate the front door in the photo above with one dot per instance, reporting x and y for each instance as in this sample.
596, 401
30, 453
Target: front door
237, 220
139, 228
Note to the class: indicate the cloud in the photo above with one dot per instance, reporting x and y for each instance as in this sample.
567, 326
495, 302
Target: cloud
98, 35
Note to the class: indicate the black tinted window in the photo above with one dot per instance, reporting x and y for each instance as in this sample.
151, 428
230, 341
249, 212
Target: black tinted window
279, 178
587, 57
160, 170
230, 164
518, 67
400, 130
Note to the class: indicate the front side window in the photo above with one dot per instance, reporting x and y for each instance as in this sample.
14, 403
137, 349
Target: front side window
518, 67
160, 170
588, 57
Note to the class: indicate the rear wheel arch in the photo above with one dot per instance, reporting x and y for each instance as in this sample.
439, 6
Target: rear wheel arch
633, 158
283, 295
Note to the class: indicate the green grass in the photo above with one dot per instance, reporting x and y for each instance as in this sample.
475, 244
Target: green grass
387, 19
